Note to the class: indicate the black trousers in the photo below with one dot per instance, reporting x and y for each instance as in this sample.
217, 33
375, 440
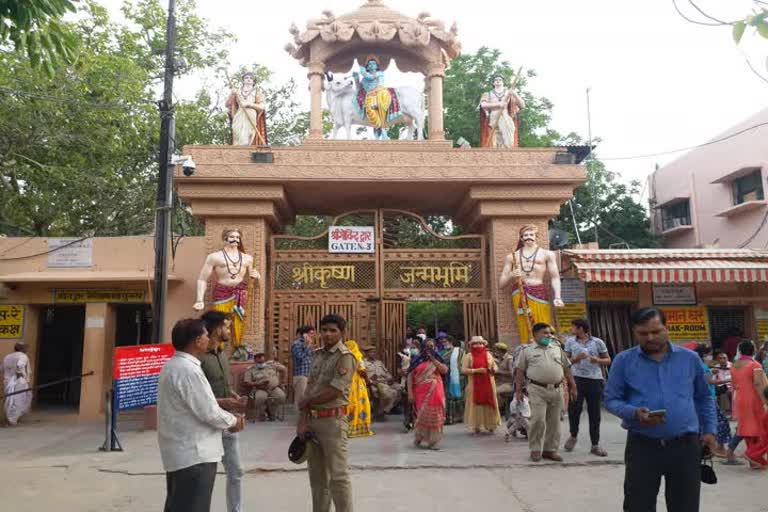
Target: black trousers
647, 460
190, 489
590, 390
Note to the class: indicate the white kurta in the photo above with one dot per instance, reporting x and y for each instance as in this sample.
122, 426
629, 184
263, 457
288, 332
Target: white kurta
16, 377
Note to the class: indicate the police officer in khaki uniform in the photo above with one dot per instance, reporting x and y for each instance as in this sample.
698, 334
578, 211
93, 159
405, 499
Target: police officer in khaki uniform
263, 381
546, 368
383, 385
323, 412
505, 374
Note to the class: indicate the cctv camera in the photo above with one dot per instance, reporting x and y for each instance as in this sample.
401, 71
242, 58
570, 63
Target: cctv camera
188, 167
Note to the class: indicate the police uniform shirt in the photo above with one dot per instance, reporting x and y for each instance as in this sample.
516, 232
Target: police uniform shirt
506, 364
543, 364
269, 373
333, 367
377, 370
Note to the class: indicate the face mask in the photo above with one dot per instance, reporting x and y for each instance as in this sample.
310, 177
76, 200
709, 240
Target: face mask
546, 340
261, 366
414, 351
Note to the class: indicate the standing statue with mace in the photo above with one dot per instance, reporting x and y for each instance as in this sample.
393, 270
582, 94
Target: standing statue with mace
499, 108
230, 266
529, 265
247, 114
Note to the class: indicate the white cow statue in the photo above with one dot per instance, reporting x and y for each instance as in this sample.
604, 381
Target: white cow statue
341, 94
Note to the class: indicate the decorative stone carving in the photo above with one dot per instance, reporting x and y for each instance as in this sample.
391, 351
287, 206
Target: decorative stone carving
374, 22
337, 32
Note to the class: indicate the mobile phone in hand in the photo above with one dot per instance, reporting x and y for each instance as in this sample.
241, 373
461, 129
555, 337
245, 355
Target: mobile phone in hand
657, 413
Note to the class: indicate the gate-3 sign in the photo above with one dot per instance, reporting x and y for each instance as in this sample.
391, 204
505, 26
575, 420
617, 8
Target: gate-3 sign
351, 239
136, 372
11, 321
687, 323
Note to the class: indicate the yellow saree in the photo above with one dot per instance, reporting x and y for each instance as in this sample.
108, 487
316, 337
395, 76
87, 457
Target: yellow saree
359, 410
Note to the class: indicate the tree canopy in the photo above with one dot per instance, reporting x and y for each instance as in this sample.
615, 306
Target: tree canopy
35, 27
78, 148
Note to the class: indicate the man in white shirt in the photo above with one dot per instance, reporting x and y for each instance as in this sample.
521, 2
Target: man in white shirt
190, 422
17, 376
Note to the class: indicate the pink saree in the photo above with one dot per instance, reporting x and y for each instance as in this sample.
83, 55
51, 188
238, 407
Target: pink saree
429, 398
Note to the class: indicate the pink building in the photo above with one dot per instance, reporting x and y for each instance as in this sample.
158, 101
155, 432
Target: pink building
714, 196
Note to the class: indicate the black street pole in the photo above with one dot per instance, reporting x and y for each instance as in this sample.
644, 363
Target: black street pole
164, 184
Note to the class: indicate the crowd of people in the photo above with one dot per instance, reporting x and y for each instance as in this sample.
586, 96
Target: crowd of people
677, 405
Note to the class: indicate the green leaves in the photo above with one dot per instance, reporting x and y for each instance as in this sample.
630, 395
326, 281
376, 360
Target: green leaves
758, 20
34, 27
79, 143
738, 31
762, 28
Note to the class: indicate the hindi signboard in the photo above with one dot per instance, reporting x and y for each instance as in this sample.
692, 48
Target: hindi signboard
136, 371
70, 253
761, 323
351, 240
11, 321
568, 313
89, 296
573, 291
612, 292
687, 323
674, 295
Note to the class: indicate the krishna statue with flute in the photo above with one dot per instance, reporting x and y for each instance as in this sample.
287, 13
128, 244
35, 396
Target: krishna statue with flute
529, 266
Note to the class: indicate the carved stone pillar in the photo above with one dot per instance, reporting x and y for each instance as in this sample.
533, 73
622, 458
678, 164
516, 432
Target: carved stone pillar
315, 75
435, 76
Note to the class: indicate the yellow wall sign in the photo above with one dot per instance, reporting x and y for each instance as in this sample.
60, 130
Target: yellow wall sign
762, 329
11, 321
687, 323
761, 323
612, 292
567, 314
90, 296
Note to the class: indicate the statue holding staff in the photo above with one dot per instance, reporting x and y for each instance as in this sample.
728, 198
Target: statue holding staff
247, 114
230, 266
530, 264
499, 108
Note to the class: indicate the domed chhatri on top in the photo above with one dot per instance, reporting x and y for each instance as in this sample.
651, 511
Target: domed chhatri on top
376, 23
333, 44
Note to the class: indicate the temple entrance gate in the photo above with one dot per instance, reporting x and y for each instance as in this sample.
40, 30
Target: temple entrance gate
408, 260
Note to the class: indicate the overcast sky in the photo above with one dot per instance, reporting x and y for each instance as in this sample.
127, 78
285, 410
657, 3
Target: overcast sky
657, 82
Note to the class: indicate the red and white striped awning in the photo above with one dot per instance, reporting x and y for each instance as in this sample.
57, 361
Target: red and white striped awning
670, 266
676, 272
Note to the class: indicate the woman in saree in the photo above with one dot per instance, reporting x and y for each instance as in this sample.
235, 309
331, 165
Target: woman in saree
426, 392
481, 411
359, 409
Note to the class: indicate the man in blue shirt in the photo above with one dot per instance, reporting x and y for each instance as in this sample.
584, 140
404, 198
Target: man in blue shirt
301, 353
661, 393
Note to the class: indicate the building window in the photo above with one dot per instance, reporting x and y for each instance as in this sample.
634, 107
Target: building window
748, 187
676, 215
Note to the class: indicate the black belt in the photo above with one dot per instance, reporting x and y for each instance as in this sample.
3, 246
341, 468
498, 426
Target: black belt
664, 441
547, 386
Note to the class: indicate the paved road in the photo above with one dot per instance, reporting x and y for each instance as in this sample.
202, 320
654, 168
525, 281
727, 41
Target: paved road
55, 466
